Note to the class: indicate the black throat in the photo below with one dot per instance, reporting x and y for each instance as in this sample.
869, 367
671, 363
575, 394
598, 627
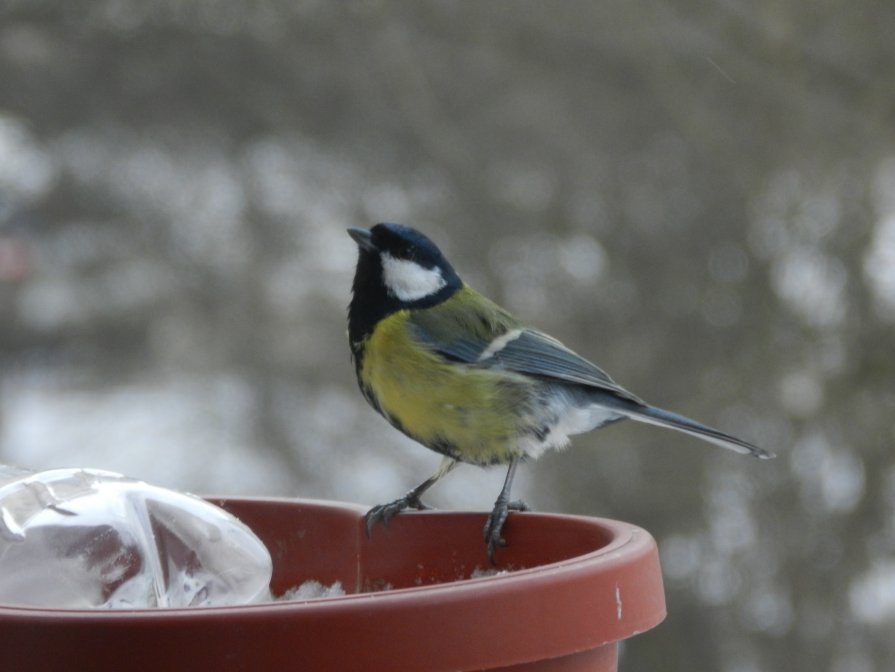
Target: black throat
371, 302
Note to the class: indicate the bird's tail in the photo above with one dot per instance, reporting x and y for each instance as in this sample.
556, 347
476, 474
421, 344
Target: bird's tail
662, 418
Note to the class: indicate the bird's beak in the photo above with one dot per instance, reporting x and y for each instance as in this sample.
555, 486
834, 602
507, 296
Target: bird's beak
363, 238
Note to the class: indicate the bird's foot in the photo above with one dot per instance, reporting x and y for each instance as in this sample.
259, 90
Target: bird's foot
383, 513
495, 522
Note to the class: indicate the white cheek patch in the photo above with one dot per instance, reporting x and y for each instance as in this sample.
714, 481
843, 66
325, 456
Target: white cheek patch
408, 281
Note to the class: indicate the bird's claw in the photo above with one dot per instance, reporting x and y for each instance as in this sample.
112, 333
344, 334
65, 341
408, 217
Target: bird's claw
495, 522
383, 513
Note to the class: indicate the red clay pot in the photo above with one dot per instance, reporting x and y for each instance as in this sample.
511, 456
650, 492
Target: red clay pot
577, 587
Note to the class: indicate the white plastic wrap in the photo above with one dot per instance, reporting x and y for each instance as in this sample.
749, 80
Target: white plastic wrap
85, 538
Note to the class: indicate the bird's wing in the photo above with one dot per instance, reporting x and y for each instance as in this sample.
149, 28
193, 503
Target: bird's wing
471, 330
535, 353
484, 335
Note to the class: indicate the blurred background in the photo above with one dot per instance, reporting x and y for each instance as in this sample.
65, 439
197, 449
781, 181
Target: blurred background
700, 196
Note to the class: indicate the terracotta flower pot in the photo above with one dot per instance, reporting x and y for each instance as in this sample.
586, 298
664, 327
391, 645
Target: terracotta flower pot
577, 586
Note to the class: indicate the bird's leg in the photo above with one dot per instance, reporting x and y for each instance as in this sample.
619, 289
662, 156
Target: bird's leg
385, 512
502, 508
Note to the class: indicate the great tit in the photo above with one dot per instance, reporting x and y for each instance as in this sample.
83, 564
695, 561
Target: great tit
462, 376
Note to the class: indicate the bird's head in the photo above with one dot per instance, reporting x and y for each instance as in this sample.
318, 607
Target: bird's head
406, 264
398, 267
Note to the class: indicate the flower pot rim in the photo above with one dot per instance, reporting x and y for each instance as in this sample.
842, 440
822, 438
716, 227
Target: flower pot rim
625, 538
562, 607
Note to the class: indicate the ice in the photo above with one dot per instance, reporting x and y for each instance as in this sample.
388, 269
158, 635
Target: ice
85, 538
481, 573
312, 590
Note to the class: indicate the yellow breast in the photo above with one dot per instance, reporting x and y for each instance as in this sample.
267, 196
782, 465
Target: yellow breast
468, 413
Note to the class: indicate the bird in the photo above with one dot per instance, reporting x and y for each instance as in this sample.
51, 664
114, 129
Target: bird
465, 378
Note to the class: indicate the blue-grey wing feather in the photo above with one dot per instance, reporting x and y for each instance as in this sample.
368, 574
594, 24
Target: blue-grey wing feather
531, 352
537, 354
